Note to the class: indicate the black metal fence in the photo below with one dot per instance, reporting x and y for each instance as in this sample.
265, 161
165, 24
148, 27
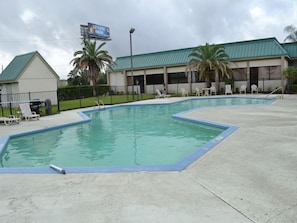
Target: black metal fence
109, 98
9, 103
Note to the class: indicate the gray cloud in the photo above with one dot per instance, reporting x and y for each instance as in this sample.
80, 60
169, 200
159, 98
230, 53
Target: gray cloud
53, 27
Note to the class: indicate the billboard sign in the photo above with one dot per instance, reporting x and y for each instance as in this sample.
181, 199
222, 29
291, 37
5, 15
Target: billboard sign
98, 31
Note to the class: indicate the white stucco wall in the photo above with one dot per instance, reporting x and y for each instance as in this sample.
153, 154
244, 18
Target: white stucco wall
117, 79
176, 69
154, 71
37, 77
266, 62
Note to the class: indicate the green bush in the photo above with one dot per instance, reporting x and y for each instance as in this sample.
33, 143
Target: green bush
77, 92
102, 89
293, 88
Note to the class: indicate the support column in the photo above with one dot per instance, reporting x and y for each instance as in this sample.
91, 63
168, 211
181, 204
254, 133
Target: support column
283, 67
248, 75
165, 77
144, 81
125, 81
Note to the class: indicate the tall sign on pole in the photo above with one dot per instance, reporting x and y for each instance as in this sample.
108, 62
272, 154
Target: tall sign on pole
94, 31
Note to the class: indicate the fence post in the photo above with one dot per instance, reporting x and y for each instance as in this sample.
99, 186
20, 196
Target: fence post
10, 108
79, 95
58, 105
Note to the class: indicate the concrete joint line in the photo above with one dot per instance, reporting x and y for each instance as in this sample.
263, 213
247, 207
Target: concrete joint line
281, 212
220, 198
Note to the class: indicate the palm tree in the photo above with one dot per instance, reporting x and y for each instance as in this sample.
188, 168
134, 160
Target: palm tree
208, 59
292, 30
93, 60
291, 74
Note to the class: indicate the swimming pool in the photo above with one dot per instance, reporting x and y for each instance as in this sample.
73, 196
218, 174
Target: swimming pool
123, 138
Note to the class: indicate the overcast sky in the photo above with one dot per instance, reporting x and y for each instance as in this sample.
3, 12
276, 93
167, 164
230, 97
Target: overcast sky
52, 27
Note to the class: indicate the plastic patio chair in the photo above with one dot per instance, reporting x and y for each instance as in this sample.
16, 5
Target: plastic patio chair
242, 89
254, 88
228, 89
213, 90
27, 113
184, 92
198, 92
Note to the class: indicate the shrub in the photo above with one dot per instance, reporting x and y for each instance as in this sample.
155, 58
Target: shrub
76, 92
293, 88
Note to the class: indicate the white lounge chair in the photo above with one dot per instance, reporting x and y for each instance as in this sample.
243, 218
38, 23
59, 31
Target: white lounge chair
198, 92
228, 89
254, 88
242, 89
184, 92
27, 113
159, 95
10, 120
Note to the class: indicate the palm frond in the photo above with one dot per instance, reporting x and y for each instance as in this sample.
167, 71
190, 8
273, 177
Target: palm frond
292, 31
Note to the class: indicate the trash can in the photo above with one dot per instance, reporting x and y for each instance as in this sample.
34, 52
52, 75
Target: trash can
48, 107
35, 105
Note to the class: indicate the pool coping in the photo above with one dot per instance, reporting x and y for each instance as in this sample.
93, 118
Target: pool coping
179, 166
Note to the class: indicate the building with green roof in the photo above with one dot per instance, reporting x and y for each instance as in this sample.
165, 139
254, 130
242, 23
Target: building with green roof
28, 73
258, 62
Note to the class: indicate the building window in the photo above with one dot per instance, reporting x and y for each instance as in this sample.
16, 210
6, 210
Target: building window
275, 72
263, 73
195, 77
154, 79
179, 77
270, 73
292, 63
239, 74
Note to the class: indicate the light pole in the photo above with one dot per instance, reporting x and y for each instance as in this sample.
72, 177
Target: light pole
132, 31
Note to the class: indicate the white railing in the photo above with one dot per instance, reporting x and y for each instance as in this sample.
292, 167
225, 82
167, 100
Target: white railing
277, 89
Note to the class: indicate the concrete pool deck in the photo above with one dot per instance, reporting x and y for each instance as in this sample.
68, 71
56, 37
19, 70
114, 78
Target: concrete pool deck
249, 177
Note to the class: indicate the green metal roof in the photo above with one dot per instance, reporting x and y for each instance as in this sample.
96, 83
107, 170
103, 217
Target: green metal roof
269, 47
159, 59
16, 66
291, 48
259, 48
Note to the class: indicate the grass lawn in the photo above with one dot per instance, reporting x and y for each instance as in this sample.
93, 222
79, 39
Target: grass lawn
86, 102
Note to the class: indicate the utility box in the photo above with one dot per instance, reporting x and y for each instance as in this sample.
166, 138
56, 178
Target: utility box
48, 107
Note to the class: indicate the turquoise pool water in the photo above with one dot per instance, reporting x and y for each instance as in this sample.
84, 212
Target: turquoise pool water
127, 135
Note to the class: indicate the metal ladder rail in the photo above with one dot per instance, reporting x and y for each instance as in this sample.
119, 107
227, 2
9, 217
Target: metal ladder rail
97, 103
275, 90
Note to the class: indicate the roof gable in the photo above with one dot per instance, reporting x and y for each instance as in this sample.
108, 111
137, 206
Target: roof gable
259, 48
18, 65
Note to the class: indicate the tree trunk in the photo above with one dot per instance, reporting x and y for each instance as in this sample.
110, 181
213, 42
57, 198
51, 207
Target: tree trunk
207, 82
94, 87
217, 80
93, 78
190, 81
